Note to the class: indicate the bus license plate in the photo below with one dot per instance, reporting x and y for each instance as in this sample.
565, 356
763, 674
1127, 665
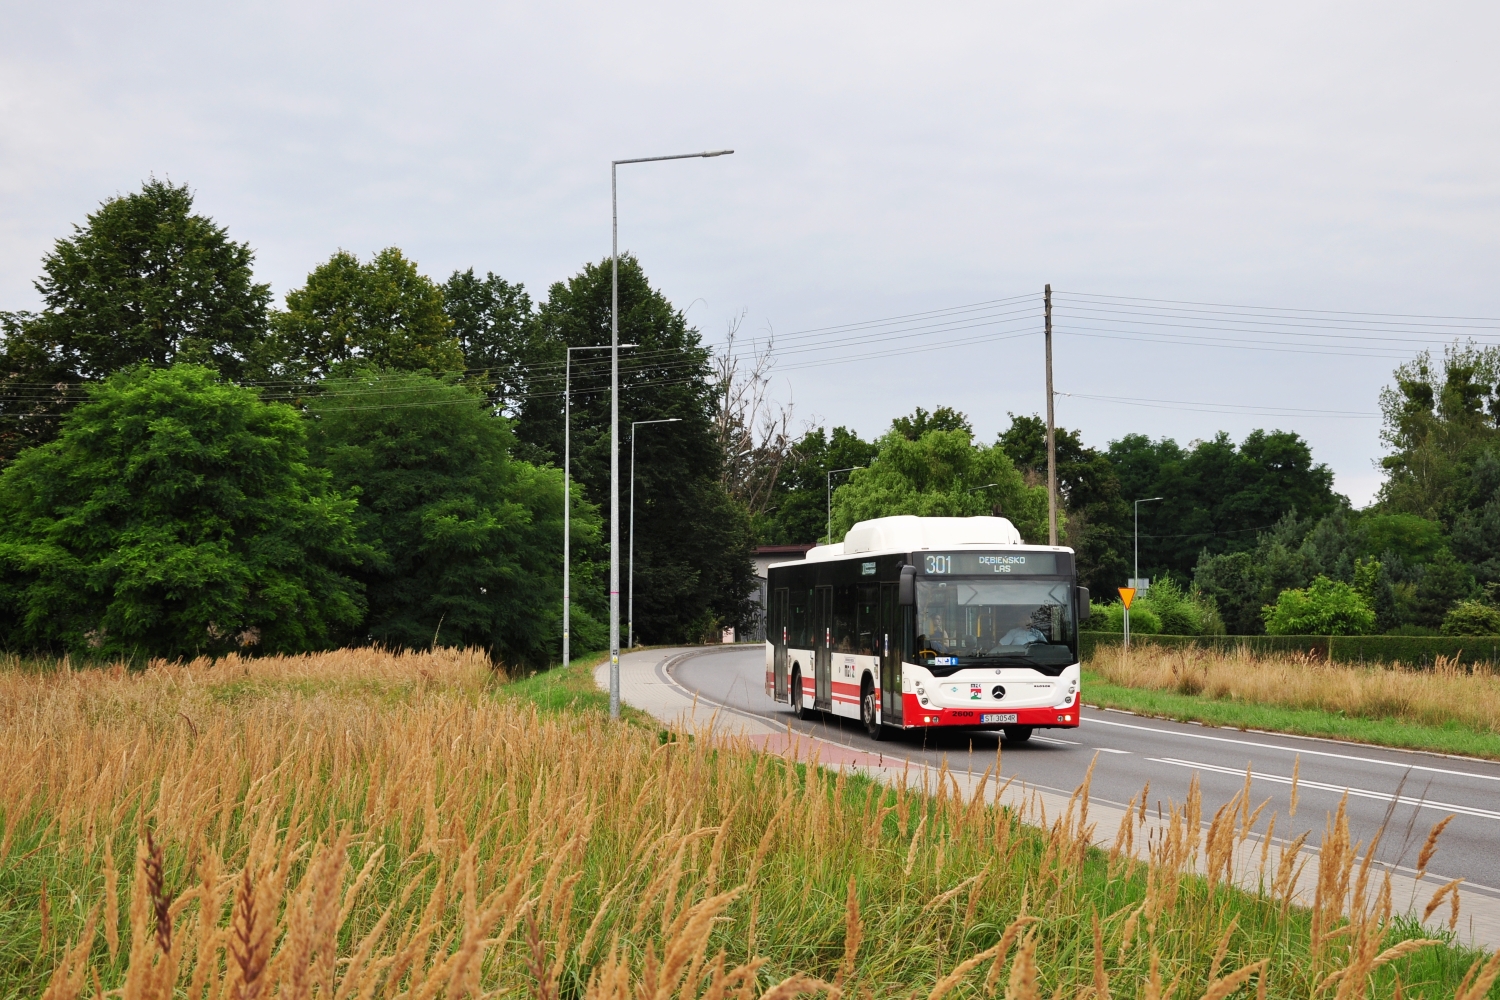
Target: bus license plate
1000, 718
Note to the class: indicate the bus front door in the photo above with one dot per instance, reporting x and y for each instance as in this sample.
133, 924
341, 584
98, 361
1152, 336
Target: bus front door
890, 655
779, 622
822, 649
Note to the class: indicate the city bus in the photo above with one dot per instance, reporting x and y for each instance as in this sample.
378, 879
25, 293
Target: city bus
924, 622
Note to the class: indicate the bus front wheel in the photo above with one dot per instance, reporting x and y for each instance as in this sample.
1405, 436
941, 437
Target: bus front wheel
799, 709
1016, 734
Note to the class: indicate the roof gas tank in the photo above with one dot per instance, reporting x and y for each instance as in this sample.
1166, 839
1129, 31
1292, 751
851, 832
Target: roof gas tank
908, 532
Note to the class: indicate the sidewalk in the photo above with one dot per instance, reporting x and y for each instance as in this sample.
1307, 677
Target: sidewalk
645, 684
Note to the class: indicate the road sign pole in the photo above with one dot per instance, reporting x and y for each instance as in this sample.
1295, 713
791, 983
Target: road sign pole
1127, 594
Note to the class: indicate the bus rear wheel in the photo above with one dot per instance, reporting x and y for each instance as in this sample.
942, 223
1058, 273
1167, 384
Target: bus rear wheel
1016, 734
867, 712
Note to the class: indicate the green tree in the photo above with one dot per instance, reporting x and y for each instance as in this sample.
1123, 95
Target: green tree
1374, 585
1416, 538
175, 515
495, 324
1236, 583
1326, 607
1440, 419
385, 313
798, 513
940, 475
692, 540
469, 540
915, 426
1472, 618
1444, 582
144, 280
1217, 496
1098, 518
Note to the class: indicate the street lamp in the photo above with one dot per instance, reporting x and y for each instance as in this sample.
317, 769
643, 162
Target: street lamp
831, 474
1136, 581
614, 416
630, 610
986, 486
567, 502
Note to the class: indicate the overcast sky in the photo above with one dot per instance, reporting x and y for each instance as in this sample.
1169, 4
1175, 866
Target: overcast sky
890, 159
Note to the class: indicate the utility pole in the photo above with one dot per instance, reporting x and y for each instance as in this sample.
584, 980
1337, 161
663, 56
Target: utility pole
1051, 429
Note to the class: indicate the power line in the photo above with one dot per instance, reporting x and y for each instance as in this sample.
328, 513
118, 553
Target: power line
1194, 405
1280, 309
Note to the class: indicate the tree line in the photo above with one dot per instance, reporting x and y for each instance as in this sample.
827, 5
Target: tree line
1248, 537
187, 469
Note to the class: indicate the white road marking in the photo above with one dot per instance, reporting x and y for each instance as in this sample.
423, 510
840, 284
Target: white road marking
1296, 750
1110, 750
1363, 793
1054, 739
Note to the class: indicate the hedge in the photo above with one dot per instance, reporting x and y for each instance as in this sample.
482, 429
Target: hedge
1413, 650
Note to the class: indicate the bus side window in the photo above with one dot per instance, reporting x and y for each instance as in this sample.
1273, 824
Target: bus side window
798, 628
843, 619
868, 620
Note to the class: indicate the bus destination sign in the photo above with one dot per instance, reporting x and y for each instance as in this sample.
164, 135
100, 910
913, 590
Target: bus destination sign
988, 563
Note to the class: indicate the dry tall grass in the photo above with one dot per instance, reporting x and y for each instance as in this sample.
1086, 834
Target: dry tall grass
1436, 696
177, 833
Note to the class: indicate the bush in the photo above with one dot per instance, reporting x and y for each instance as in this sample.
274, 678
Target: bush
1181, 612
1325, 608
1472, 618
1167, 609
1143, 620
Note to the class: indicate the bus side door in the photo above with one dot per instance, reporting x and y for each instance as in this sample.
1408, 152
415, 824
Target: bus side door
780, 622
823, 649
890, 655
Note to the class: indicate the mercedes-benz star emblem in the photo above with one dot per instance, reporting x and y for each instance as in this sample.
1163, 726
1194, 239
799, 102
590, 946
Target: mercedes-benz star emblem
999, 691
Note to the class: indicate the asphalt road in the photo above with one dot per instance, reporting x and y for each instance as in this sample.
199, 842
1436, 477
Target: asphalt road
1406, 791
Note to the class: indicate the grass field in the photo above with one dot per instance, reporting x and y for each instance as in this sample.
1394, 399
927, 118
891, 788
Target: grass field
359, 824
1448, 709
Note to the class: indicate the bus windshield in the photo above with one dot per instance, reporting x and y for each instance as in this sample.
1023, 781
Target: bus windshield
979, 622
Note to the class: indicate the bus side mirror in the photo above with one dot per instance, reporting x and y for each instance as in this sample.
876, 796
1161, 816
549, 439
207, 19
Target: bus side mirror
907, 593
1084, 611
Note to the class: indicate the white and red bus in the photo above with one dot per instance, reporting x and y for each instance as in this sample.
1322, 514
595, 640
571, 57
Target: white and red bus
916, 622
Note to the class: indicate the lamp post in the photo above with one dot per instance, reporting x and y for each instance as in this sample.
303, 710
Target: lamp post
831, 474
986, 486
1135, 581
567, 502
630, 608
614, 415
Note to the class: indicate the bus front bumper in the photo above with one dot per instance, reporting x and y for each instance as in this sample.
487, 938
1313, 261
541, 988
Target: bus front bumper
914, 714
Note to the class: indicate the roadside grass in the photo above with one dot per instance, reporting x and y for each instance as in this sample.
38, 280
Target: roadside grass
571, 688
333, 838
1447, 709
1230, 714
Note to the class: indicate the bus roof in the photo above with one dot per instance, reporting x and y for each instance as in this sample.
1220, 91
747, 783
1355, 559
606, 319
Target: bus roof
910, 533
